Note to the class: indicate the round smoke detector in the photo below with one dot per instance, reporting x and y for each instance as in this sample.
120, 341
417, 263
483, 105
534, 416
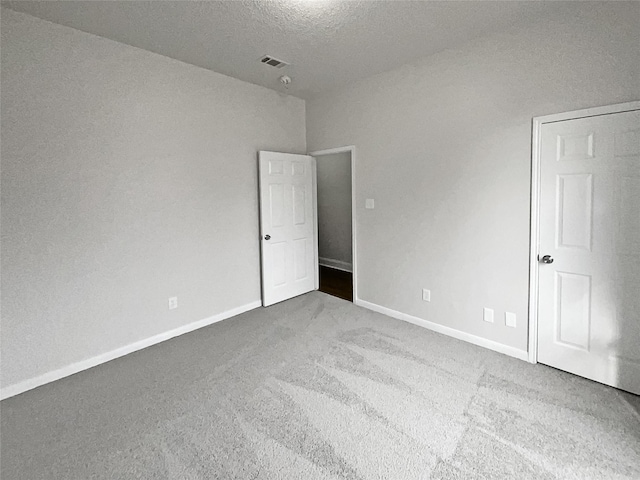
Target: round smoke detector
285, 79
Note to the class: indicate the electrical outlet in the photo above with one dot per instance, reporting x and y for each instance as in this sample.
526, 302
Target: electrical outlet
369, 203
510, 319
173, 303
426, 295
487, 314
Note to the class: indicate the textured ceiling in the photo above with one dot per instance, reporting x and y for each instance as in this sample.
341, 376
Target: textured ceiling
329, 43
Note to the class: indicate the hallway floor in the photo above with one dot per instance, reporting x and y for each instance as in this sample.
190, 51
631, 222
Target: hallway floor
336, 282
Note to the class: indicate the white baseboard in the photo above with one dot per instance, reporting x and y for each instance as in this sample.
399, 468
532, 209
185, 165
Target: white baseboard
337, 264
451, 332
54, 375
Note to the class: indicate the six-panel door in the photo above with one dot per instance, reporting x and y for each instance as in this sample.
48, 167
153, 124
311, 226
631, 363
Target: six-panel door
287, 225
589, 297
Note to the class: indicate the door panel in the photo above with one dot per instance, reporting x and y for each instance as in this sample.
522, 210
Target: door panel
573, 294
287, 226
574, 210
589, 312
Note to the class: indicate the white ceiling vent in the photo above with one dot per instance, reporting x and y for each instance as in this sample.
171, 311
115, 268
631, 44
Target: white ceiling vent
274, 62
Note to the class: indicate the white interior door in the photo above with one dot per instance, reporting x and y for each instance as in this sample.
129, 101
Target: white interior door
589, 296
287, 225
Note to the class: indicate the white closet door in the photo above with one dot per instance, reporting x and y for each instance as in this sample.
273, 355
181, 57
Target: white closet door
589, 296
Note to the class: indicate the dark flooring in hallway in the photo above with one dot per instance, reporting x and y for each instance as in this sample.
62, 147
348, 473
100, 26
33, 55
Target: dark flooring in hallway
336, 282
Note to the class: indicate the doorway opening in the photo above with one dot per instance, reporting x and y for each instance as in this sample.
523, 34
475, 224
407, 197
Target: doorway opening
336, 221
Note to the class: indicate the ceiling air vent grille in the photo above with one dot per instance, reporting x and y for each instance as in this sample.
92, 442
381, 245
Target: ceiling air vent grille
274, 62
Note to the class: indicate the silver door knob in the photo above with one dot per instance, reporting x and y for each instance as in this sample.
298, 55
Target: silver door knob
268, 237
547, 259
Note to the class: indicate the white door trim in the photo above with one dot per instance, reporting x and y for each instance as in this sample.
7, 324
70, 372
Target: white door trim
315, 224
535, 204
354, 250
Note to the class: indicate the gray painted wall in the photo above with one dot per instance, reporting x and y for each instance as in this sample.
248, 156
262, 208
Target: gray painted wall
127, 178
334, 208
444, 147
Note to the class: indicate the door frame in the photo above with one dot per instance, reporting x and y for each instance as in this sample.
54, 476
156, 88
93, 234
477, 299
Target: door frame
534, 239
354, 261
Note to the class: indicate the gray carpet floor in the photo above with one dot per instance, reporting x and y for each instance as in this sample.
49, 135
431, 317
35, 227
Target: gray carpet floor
317, 388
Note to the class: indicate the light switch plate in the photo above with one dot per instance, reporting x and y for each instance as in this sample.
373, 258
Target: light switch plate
510, 319
369, 203
173, 303
426, 295
488, 315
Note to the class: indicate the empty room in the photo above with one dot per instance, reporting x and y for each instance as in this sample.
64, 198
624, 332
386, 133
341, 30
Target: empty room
320, 239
